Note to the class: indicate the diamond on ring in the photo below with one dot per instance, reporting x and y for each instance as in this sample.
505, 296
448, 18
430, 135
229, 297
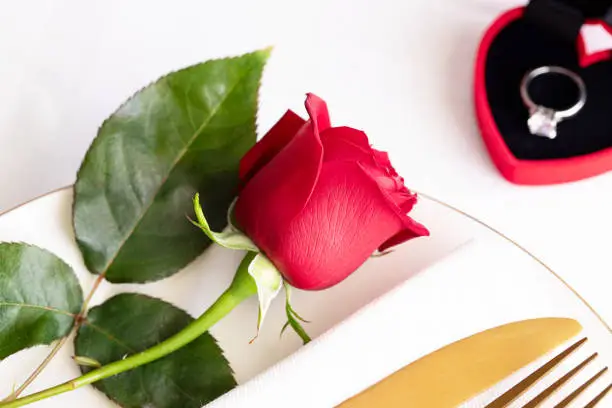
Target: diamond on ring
542, 122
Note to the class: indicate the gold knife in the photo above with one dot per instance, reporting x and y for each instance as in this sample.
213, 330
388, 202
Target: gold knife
462, 370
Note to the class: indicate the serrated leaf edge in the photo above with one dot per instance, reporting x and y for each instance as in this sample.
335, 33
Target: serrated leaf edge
87, 156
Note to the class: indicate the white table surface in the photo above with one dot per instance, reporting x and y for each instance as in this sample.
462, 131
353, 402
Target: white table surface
400, 70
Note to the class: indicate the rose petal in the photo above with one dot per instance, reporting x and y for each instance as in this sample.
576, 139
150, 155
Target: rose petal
382, 158
273, 142
317, 110
354, 136
410, 200
345, 143
345, 220
348, 144
281, 189
411, 230
395, 189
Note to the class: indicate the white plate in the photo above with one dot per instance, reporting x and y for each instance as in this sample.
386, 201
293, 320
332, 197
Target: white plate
46, 222
483, 284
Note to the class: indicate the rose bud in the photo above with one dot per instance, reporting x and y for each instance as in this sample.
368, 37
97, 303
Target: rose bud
319, 200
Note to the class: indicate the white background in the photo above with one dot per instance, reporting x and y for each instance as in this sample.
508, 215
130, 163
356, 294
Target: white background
400, 70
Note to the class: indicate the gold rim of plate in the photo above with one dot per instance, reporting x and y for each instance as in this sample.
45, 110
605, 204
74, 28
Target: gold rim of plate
435, 200
523, 249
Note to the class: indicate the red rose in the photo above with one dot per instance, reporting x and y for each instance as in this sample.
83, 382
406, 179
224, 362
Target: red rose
318, 200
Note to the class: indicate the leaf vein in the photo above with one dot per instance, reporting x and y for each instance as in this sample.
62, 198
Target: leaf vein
181, 390
39, 307
172, 167
109, 336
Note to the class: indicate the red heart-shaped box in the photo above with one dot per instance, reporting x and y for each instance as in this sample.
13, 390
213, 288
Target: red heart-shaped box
515, 44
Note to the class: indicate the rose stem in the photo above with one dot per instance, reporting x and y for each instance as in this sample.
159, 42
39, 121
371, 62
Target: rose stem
241, 288
78, 321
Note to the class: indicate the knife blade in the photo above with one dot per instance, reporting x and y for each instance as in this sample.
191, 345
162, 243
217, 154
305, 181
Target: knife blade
462, 370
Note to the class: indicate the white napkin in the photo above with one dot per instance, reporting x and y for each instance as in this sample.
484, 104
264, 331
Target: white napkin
482, 285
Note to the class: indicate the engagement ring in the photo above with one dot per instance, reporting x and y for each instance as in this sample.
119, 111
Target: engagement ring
543, 120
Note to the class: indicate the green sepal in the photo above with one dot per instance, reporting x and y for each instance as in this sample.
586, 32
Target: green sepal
269, 282
231, 238
380, 254
293, 318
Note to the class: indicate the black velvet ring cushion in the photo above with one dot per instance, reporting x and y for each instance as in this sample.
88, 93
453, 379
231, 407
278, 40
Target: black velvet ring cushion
523, 45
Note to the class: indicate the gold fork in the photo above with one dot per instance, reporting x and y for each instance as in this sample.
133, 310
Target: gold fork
511, 395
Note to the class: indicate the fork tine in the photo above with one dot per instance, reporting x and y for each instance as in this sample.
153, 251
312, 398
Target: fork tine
516, 391
599, 397
544, 395
580, 389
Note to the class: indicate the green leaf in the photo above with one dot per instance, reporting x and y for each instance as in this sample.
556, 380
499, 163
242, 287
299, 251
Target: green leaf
269, 282
130, 323
183, 134
231, 238
39, 298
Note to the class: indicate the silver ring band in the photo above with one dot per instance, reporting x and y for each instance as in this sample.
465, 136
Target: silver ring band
543, 120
